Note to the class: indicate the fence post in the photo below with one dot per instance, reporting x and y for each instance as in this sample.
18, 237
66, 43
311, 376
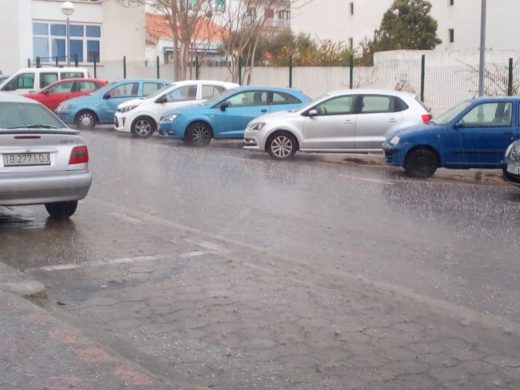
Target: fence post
158, 68
124, 67
56, 61
240, 70
423, 71
197, 67
75, 60
95, 68
510, 79
290, 71
38, 62
351, 72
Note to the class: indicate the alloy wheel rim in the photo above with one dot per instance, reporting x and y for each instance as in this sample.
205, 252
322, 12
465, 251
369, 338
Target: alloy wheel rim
143, 127
282, 146
200, 134
86, 120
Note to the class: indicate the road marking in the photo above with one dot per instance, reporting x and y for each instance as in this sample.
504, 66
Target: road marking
98, 263
367, 179
126, 218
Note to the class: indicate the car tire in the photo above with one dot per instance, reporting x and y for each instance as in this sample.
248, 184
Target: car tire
61, 210
143, 127
421, 163
282, 145
85, 120
199, 134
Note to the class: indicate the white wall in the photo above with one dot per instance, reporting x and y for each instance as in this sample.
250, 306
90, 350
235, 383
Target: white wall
15, 36
336, 23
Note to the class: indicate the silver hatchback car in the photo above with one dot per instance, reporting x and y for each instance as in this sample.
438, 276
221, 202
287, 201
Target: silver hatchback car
41, 160
342, 121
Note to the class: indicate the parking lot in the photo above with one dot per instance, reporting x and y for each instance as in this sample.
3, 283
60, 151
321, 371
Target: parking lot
220, 268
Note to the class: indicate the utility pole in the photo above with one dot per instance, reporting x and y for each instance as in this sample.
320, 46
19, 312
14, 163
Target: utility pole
482, 64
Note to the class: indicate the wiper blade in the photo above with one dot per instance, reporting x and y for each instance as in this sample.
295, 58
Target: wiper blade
34, 126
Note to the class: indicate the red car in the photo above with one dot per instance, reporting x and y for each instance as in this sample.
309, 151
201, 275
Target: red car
53, 94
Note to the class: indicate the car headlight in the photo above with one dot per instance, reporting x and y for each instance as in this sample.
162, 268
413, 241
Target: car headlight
513, 151
64, 107
169, 118
256, 126
126, 109
395, 140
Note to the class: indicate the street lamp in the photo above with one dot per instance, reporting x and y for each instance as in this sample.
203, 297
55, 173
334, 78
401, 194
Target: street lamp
68, 9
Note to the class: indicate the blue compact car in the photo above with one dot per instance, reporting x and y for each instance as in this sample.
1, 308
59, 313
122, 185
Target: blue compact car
227, 115
473, 134
100, 106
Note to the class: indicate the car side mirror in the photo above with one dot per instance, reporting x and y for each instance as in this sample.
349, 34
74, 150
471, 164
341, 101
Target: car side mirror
223, 106
45, 92
312, 112
458, 125
161, 100
106, 96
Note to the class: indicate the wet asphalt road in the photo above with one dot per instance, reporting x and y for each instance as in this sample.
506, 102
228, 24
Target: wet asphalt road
445, 239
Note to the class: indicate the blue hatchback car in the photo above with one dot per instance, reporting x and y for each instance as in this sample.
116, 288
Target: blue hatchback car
100, 106
227, 115
473, 134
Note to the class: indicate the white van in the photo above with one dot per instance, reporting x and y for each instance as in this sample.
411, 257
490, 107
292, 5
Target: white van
34, 79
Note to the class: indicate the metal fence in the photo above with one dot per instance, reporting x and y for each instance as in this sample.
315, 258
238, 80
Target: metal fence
440, 86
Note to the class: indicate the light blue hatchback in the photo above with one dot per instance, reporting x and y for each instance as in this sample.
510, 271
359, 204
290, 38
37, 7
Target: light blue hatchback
227, 115
100, 106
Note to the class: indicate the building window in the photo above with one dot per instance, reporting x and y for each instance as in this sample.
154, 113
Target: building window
285, 14
220, 5
49, 42
351, 7
452, 35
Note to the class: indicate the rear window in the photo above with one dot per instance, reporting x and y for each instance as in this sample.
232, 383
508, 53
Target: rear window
19, 115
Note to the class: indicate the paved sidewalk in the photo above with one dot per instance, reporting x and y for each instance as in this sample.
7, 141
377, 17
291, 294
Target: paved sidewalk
223, 315
39, 352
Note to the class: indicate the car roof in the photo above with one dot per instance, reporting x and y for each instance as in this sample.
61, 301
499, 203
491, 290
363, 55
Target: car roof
367, 91
495, 98
11, 98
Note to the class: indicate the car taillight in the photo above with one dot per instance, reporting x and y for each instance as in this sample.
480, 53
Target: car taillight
426, 118
79, 155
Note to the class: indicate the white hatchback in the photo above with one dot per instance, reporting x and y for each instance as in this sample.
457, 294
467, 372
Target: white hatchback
140, 117
337, 122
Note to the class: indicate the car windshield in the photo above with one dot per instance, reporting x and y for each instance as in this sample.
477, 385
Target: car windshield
312, 103
105, 89
27, 115
449, 115
160, 91
216, 99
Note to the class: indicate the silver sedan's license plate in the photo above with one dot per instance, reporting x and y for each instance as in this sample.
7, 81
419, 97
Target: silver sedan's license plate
26, 159
515, 170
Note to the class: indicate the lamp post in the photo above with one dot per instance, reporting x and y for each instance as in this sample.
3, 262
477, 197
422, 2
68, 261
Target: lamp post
482, 64
68, 9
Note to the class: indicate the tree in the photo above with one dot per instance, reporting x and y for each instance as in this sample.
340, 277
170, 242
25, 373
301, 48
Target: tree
190, 22
406, 25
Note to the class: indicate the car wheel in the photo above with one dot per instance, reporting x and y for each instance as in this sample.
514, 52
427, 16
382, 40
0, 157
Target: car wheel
282, 146
86, 120
421, 163
143, 127
199, 134
61, 210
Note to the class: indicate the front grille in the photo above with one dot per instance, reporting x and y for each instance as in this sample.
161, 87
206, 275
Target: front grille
388, 156
116, 122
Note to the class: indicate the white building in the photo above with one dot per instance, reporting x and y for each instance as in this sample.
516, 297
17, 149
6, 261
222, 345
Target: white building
353, 21
100, 30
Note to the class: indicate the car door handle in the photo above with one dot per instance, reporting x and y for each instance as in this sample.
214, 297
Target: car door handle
392, 120
509, 134
349, 121
264, 110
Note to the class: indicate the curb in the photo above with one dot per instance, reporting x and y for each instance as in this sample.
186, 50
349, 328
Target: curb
17, 282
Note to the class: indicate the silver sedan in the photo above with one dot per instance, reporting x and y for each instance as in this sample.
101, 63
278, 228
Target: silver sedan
41, 160
342, 121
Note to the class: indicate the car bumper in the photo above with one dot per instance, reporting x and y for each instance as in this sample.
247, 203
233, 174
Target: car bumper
167, 130
511, 177
20, 190
253, 140
393, 155
121, 122
65, 116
